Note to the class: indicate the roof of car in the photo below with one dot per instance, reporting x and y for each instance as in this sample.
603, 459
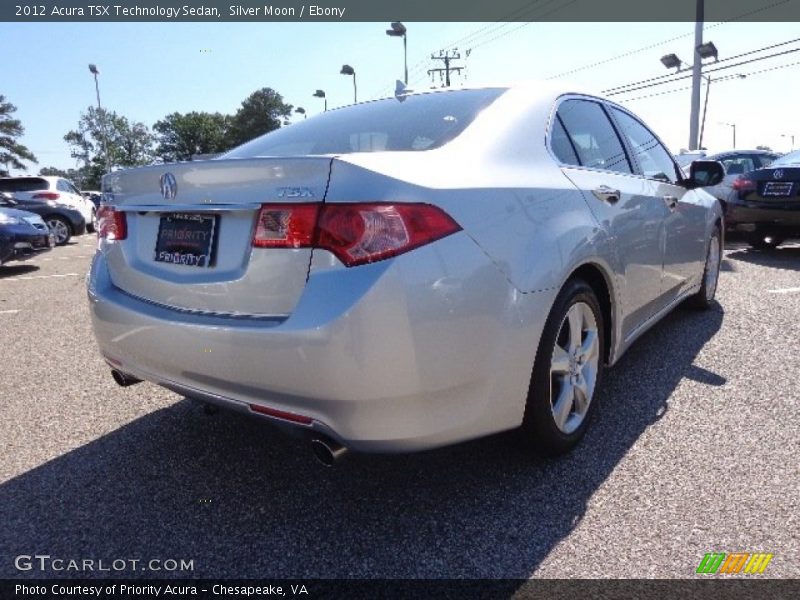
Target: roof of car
741, 151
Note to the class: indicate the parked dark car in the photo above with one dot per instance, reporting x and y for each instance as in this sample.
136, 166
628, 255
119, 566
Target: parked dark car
765, 203
22, 235
63, 221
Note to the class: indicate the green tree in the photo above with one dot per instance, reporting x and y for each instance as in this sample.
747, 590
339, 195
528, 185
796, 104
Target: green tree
180, 136
12, 153
130, 144
53, 172
76, 176
262, 112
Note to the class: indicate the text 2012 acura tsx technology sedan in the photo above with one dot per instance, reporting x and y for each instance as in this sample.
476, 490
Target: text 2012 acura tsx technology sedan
410, 272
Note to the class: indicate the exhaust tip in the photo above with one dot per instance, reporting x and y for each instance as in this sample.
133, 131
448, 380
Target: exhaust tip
122, 379
327, 452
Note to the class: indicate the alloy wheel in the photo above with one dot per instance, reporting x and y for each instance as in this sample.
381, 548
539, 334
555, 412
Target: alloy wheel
59, 229
712, 267
573, 367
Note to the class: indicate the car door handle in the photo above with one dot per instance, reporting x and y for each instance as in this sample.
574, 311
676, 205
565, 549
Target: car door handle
671, 202
606, 194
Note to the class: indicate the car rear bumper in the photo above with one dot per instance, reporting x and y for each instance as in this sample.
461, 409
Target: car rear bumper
400, 355
22, 246
751, 217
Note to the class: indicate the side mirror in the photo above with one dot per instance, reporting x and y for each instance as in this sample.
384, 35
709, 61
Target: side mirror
703, 173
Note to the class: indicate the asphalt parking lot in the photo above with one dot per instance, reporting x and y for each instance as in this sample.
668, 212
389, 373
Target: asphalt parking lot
694, 450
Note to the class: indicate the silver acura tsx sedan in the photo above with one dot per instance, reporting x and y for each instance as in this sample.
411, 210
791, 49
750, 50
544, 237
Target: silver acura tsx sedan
410, 272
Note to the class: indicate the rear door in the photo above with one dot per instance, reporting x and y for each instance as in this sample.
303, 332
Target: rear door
594, 158
211, 207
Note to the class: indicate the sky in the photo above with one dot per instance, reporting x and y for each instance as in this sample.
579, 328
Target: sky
149, 70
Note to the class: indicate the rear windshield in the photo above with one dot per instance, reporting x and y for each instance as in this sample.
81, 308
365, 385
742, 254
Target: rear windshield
23, 184
417, 122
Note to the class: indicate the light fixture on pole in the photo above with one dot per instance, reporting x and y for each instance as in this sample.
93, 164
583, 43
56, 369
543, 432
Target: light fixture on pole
348, 70
301, 110
671, 61
95, 71
321, 94
702, 51
791, 137
708, 50
399, 30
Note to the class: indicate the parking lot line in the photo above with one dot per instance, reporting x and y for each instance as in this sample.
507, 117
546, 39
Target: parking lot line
793, 290
9, 312
24, 277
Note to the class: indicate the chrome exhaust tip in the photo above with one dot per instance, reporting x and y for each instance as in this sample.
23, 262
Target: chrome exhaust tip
122, 379
327, 452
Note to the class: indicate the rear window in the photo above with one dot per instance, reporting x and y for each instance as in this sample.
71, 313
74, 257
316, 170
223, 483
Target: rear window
417, 122
23, 184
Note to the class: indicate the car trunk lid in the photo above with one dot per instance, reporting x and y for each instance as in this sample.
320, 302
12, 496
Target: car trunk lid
190, 229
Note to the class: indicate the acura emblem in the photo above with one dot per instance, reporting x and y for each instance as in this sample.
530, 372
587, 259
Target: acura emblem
777, 174
169, 187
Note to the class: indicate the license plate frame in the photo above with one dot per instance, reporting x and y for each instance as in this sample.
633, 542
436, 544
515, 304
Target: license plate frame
186, 239
778, 189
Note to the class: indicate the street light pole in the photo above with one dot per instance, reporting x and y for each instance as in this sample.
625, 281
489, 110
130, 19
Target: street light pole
696, 74
95, 71
791, 137
348, 70
732, 126
399, 30
321, 94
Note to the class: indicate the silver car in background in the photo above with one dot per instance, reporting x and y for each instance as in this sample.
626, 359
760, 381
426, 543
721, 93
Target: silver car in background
407, 273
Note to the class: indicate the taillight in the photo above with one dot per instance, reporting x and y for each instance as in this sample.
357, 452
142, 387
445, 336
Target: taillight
111, 223
363, 233
46, 196
357, 233
743, 184
286, 225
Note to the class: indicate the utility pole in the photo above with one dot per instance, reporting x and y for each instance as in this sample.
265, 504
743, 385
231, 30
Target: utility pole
446, 56
696, 75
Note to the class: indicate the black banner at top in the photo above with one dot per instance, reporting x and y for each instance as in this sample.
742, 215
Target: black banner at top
403, 10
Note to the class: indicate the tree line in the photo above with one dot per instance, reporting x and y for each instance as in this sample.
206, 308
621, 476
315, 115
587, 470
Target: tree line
176, 137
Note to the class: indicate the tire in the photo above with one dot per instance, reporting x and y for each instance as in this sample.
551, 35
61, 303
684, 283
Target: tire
764, 242
60, 228
91, 226
566, 374
705, 296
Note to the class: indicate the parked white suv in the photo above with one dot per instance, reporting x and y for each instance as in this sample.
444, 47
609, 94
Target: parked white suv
55, 189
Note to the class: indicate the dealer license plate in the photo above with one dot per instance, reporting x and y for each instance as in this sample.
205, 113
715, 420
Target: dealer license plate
186, 239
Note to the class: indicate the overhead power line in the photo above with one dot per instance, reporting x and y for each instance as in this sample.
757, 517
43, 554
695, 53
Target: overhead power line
689, 75
741, 16
719, 79
722, 60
